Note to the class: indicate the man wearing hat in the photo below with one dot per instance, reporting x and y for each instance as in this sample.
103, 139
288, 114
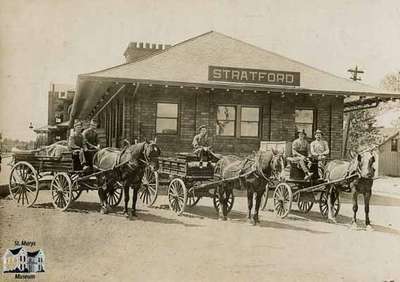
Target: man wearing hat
91, 142
201, 145
301, 151
319, 151
76, 144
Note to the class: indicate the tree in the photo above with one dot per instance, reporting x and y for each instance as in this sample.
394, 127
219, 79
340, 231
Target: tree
391, 82
363, 133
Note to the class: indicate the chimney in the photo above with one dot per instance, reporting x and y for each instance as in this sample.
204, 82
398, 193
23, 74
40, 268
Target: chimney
139, 50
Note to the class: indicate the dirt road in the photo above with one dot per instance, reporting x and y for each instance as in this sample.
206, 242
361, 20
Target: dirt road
83, 245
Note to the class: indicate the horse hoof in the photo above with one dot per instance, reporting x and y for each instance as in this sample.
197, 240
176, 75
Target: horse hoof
103, 211
354, 226
129, 216
369, 228
332, 220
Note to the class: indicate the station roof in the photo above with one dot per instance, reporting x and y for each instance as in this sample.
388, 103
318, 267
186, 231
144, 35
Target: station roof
187, 64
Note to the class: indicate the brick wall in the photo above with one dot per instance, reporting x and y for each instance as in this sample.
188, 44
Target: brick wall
197, 107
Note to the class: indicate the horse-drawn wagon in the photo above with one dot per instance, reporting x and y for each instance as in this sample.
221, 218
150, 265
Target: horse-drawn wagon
68, 180
189, 180
323, 190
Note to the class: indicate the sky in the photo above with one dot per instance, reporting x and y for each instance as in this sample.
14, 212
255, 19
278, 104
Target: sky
55, 40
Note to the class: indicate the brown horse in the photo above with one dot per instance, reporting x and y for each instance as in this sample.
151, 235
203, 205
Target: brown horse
252, 173
125, 167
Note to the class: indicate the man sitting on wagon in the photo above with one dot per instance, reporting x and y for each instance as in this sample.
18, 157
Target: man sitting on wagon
201, 146
301, 151
91, 142
76, 145
319, 151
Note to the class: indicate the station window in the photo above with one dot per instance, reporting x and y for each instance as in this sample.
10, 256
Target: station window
226, 120
249, 121
62, 95
167, 118
394, 145
304, 120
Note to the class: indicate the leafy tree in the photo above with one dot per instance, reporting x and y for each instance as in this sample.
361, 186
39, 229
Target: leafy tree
391, 82
363, 133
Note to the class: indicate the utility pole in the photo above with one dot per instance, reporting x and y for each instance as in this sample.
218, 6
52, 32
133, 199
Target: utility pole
354, 76
354, 73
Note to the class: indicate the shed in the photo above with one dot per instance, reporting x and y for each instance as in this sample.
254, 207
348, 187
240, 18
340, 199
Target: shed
389, 156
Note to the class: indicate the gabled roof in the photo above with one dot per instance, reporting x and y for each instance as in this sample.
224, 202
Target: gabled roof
187, 63
189, 60
16, 250
34, 254
389, 138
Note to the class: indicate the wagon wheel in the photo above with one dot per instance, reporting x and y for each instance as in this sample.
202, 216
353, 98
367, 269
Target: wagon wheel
24, 184
216, 202
282, 199
114, 197
149, 187
61, 191
304, 203
264, 198
192, 199
323, 202
177, 195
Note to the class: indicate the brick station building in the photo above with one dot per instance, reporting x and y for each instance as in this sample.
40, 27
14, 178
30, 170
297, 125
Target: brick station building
244, 94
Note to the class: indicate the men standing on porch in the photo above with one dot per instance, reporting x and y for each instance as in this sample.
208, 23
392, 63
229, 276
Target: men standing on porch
319, 151
301, 151
91, 142
77, 145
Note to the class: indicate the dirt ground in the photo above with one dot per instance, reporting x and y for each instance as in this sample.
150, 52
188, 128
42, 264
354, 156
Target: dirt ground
83, 245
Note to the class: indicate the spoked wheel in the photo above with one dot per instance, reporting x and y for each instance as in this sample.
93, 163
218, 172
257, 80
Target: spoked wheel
282, 199
305, 202
114, 197
264, 198
61, 191
149, 188
323, 202
192, 199
177, 196
216, 201
24, 184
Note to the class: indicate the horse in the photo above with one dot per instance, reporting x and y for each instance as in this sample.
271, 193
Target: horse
252, 173
359, 172
363, 185
335, 170
124, 167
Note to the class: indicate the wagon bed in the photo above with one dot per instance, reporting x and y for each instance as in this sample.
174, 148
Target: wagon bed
189, 181
67, 182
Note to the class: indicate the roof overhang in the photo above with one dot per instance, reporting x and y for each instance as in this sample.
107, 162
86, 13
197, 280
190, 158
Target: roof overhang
93, 92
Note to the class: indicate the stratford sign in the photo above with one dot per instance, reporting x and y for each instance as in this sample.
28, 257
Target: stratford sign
243, 75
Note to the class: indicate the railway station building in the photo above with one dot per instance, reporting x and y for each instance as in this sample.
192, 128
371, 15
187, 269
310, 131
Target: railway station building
242, 93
